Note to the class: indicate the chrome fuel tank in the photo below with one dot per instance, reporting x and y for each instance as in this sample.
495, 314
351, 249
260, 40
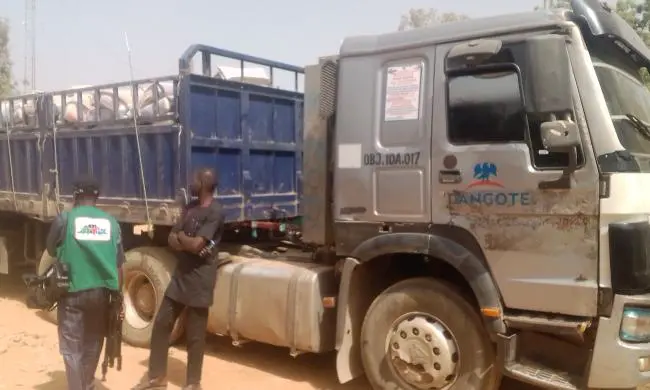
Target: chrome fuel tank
277, 302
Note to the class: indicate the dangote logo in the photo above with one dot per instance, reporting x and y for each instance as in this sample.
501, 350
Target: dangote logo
92, 229
485, 176
487, 190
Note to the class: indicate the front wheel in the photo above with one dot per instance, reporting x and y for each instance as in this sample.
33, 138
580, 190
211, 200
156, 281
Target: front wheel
421, 334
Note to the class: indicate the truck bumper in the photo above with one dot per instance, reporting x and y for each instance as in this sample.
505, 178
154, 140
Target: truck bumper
616, 364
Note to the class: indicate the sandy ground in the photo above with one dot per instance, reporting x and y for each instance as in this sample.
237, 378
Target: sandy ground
29, 359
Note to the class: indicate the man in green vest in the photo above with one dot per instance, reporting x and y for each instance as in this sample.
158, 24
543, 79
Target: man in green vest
89, 241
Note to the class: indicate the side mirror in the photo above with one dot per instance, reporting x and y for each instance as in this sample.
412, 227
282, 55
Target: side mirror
547, 75
561, 136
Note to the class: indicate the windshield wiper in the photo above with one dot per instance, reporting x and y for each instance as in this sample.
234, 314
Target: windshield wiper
640, 125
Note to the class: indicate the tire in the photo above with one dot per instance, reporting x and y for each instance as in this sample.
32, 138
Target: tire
43, 265
155, 266
475, 367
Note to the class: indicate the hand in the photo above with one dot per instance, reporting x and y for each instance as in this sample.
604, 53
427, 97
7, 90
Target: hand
173, 242
122, 311
207, 250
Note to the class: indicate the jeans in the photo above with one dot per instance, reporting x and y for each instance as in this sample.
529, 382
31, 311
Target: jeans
195, 329
82, 318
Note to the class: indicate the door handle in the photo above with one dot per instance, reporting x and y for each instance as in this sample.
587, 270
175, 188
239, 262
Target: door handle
449, 176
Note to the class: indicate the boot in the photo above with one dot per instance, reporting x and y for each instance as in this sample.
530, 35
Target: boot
151, 384
192, 387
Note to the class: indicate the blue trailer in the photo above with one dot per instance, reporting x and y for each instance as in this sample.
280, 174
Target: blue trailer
142, 139
251, 134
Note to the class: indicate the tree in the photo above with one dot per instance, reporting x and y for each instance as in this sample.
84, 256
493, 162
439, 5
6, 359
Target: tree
556, 4
637, 15
6, 83
423, 17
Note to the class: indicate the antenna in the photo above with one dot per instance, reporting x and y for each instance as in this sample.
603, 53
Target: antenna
137, 136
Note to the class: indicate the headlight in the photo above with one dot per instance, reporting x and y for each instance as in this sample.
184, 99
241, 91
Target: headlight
635, 327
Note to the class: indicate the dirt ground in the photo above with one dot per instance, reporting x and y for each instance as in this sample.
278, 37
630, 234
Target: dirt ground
29, 359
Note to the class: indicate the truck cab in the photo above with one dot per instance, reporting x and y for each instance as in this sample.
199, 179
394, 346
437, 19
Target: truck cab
501, 163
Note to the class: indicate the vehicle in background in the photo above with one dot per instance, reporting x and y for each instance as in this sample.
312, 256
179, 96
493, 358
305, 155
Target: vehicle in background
466, 201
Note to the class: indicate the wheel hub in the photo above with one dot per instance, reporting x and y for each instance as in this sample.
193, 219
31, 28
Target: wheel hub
140, 300
145, 299
423, 352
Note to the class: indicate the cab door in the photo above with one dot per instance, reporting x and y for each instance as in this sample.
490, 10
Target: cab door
487, 166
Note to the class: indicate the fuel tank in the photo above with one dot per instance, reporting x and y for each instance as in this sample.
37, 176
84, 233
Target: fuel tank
275, 301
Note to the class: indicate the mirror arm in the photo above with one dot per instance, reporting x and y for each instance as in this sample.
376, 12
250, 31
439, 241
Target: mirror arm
564, 181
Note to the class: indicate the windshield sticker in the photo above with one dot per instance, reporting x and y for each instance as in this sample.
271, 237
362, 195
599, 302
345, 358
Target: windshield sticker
403, 85
349, 156
486, 190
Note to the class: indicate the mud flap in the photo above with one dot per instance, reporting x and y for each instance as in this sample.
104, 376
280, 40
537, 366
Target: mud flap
351, 312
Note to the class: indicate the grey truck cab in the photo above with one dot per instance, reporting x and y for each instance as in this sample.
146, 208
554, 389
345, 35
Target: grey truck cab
489, 193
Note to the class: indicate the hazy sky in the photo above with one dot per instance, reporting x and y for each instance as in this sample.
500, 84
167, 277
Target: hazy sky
82, 41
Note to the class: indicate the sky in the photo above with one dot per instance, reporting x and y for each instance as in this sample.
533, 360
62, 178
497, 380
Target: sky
81, 42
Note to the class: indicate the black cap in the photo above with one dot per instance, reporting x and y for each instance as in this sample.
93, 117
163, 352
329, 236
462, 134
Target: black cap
85, 186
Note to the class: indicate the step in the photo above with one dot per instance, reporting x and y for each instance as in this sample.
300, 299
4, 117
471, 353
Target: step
538, 375
532, 372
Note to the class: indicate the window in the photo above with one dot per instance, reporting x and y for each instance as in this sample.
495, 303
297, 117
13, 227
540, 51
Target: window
626, 95
486, 108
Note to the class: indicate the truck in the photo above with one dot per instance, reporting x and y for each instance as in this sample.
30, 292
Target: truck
441, 207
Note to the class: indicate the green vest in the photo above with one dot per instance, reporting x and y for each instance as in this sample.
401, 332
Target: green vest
90, 249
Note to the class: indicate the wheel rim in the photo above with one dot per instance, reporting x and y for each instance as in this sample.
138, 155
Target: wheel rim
140, 300
422, 352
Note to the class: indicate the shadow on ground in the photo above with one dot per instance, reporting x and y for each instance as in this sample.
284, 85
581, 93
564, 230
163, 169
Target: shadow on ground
317, 370
12, 287
58, 382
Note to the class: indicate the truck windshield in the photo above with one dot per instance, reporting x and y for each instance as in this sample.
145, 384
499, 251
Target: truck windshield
628, 101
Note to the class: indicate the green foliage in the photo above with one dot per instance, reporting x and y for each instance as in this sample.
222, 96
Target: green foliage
423, 17
637, 15
556, 4
6, 83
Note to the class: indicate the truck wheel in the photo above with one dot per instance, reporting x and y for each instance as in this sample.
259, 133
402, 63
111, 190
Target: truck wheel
43, 265
422, 334
147, 272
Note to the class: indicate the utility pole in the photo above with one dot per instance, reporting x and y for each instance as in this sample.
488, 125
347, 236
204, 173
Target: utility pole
29, 68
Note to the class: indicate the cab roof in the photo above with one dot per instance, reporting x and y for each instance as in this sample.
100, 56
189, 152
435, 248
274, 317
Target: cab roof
450, 32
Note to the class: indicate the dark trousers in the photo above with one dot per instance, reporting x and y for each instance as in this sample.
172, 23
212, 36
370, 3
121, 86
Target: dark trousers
195, 329
82, 318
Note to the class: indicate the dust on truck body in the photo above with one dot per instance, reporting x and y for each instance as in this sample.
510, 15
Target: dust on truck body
472, 204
